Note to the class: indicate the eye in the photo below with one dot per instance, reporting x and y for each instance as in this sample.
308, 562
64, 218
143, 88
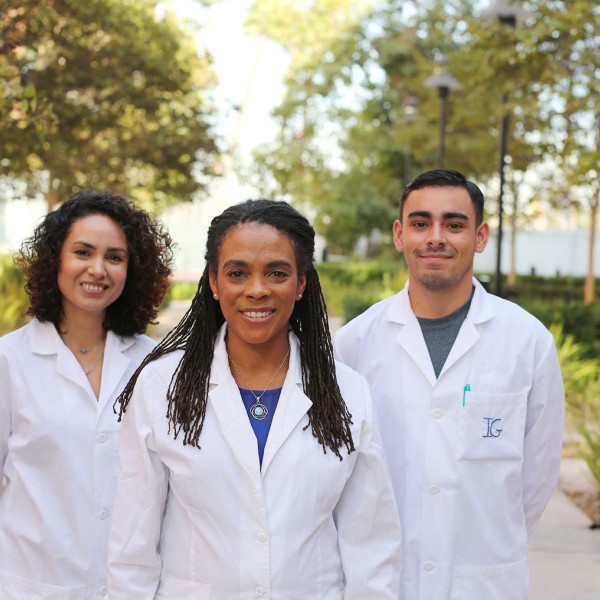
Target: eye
455, 226
81, 252
115, 258
279, 274
419, 224
236, 274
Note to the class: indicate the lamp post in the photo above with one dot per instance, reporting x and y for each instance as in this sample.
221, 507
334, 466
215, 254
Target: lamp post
443, 81
508, 13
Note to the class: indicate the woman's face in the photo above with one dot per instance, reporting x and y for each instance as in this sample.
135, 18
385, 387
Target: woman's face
257, 284
93, 265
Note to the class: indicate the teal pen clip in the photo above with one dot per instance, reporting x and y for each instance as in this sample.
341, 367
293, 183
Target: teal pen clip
466, 389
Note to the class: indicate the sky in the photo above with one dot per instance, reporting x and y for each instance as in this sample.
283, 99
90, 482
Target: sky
245, 67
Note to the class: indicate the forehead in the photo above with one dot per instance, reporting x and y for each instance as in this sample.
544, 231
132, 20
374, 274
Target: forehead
256, 242
439, 200
95, 225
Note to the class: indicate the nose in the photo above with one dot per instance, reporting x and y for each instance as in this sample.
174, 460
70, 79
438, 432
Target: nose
97, 267
437, 235
257, 287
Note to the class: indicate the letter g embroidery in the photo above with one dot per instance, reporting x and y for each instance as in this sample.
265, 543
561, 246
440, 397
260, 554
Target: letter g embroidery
493, 430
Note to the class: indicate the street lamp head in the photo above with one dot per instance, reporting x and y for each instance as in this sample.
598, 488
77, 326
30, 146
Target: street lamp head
441, 79
507, 12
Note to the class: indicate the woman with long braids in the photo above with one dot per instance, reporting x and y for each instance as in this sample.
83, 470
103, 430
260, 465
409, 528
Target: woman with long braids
96, 270
249, 466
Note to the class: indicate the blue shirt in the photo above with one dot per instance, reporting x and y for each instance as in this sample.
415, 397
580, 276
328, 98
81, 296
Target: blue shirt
261, 428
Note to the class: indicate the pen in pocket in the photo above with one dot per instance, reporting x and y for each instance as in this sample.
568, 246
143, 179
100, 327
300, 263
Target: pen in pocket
466, 389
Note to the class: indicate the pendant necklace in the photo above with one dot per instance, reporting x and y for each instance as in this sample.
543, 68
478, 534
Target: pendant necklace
258, 410
80, 349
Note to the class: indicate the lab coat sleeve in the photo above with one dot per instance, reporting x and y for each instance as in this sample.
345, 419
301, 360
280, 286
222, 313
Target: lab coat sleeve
543, 435
134, 563
367, 521
5, 425
345, 348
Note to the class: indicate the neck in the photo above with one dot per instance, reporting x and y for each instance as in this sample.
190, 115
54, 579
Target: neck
257, 357
83, 331
430, 304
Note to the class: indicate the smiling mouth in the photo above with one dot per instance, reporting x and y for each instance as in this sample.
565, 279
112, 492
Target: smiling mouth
256, 314
89, 287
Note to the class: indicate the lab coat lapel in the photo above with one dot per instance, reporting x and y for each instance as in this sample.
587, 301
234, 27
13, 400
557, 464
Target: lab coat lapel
45, 340
480, 311
114, 367
232, 419
410, 336
293, 405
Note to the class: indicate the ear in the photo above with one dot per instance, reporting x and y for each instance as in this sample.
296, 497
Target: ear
397, 230
212, 279
482, 237
301, 285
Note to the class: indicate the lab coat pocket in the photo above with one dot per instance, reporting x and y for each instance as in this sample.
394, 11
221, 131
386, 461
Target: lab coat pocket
492, 426
171, 588
501, 582
14, 587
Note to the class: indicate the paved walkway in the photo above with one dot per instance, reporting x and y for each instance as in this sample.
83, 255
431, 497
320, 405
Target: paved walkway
564, 552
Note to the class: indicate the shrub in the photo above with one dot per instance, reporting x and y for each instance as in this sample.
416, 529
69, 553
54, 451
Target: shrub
15, 301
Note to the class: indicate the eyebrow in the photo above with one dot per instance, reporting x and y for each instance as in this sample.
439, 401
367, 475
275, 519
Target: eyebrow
91, 246
243, 263
447, 215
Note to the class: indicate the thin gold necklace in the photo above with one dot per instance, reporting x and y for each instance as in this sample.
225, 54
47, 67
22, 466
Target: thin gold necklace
258, 410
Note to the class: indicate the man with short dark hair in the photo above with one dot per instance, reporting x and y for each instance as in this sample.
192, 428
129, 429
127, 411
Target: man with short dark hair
470, 400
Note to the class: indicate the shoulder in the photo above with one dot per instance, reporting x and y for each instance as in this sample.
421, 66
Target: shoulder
160, 371
512, 317
20, 339
354, 388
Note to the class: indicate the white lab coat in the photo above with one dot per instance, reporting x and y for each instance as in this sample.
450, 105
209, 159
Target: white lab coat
58, 451
233, 531
471, 481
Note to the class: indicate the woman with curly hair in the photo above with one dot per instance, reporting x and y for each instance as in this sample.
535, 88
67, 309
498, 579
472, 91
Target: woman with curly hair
96, 271
249, 464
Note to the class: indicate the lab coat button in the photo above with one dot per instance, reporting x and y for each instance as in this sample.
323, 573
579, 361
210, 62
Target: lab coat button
434, 488
437, 413
103, 514
428, 566
259, 590
261, 537
103, 591
102, 438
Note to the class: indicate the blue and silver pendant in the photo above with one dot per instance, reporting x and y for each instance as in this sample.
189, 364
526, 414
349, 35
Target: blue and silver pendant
259, 411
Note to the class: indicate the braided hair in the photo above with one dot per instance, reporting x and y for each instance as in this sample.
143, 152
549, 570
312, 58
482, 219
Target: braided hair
329, 418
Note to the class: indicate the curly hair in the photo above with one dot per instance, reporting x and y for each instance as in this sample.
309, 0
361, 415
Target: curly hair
148, 271
187, 395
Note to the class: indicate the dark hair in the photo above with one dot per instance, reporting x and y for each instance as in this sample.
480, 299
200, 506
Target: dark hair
445, 178
196, 334
148, 269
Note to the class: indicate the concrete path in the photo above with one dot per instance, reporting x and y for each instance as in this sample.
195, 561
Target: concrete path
564, 552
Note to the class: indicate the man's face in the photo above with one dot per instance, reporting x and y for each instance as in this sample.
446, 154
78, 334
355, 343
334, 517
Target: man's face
439, 237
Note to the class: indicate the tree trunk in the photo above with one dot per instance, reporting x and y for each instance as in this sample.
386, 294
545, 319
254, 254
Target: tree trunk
589, 293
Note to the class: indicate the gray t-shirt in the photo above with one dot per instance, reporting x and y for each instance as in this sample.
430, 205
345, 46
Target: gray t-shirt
440, 334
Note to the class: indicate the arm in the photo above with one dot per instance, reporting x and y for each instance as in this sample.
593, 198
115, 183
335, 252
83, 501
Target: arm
543, 435
134, 563
367, 521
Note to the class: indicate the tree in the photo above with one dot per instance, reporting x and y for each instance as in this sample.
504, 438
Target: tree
357, 122
121, 100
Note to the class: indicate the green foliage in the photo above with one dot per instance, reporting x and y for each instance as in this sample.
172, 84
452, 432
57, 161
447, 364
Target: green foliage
15, 301
125, 95
183, 290
581, 376
350, 288
357, 122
